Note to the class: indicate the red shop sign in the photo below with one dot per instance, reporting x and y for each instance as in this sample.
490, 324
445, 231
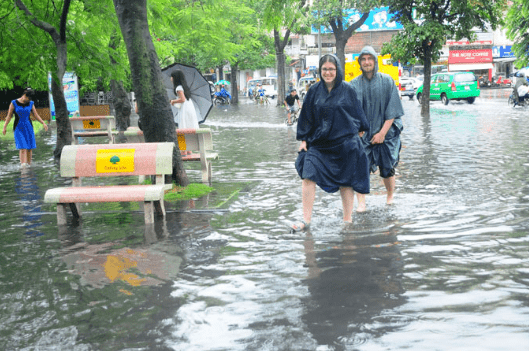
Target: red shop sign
470, 56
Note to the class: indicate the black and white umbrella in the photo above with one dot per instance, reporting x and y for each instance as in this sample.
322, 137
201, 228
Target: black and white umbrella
198, 86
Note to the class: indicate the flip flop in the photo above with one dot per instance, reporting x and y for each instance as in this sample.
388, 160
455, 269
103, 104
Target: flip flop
299, 226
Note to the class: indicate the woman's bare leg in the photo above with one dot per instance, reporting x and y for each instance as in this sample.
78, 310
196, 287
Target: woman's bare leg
23, 155
29, 156
308, 194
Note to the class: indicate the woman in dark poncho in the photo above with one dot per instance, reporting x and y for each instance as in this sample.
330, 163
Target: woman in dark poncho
331, 154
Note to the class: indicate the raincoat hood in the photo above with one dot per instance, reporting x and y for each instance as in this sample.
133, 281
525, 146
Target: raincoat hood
368, 50
339, 72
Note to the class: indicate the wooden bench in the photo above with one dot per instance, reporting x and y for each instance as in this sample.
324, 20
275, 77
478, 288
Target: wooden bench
92, 126
104, 160
199, 141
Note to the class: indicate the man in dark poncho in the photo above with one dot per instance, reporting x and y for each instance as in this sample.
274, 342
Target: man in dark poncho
331, 153
381, 103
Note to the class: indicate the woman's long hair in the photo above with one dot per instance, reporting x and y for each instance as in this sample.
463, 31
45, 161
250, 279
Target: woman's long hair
180, 79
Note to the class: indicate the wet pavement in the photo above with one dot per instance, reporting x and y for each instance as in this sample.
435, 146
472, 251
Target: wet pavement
444, 268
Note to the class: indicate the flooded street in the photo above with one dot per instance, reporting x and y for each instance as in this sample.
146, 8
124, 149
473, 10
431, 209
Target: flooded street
444, 268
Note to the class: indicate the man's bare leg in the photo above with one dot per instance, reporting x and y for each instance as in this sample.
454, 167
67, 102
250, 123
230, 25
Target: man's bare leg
361, 202
389, 183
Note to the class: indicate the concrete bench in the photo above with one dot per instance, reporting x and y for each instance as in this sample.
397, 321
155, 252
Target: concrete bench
104, 160
199, 141
92, 126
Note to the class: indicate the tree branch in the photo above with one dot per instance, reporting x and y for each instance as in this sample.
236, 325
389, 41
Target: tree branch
38, 23
357, 24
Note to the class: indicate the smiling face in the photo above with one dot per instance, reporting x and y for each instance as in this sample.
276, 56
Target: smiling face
367, 64
328, 73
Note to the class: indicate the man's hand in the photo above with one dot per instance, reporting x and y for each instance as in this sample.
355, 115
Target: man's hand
378, 138
303, 146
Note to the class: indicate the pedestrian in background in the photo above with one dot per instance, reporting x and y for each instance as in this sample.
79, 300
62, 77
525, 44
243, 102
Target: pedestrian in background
187, 117
23, 127
381, 103
331, 154
290, 104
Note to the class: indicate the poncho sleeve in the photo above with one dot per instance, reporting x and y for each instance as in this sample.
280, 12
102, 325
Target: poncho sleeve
394, 106
306, 121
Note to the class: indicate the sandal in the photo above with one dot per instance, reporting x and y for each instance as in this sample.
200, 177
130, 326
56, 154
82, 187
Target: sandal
299, 226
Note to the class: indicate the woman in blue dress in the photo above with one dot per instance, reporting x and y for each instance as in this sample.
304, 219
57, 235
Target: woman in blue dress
331, 153
23, 127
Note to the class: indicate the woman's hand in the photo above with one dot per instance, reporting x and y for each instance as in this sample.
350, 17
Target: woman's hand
45, 126
303, 146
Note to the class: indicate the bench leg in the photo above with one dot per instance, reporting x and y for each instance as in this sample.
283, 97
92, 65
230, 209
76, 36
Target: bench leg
61, 214
209, 173
206, 171
148, 208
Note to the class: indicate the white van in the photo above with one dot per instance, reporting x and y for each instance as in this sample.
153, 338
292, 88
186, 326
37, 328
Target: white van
303, 84
270, 86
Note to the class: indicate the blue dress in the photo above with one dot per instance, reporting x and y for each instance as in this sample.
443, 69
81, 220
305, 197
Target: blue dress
329, 122
23, 127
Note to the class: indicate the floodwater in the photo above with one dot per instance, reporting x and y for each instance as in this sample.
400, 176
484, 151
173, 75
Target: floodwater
444, 268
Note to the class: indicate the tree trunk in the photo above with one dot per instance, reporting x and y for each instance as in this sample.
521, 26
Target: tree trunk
281, 79
156, 117
62, 120
121, 108
342, 36
234, 77
425, 98
280, 61
341, 41
121, 100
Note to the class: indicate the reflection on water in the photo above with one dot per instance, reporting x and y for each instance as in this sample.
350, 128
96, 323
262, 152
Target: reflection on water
353, 286
29, 201
444, 268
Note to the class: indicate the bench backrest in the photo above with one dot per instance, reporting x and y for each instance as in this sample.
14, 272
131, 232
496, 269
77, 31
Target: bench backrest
95, 160
93, 123
188, 139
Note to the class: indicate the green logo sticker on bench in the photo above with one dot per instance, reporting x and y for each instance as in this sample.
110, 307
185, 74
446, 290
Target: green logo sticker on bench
182, 142
92, 124
115, 160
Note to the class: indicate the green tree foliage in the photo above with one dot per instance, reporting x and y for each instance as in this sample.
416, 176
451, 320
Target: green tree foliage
331, 13
429, 23
517, 25
282, 17
40, 36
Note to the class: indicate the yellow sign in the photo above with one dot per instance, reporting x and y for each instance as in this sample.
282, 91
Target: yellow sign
92, 124
115, 160
182, 141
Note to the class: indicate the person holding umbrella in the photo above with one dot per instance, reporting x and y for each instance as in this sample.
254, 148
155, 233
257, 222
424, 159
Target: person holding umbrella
187, 117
